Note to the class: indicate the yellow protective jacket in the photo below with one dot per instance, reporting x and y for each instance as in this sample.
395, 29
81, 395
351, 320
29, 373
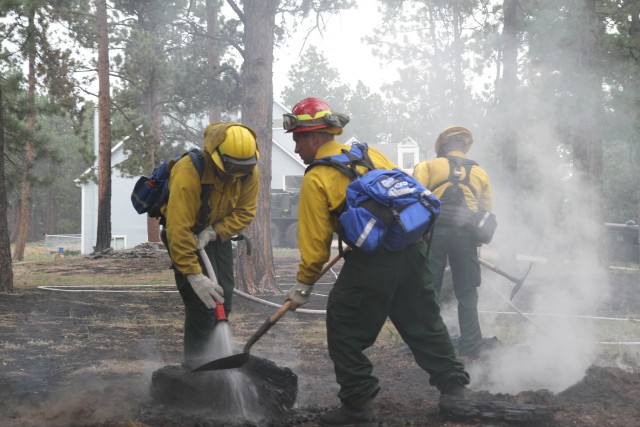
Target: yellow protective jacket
322, 196
233, 203
432, 172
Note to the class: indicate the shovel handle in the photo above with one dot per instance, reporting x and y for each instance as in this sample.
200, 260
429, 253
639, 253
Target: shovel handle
287, 304
497, 270
273, 319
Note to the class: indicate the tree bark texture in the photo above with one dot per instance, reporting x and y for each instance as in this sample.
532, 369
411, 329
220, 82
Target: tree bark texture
256, 274
508, 129
6, 271
213, 54
25, 198
587, 126
103, 238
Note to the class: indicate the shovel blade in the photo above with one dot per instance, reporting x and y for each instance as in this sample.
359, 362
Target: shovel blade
229, 362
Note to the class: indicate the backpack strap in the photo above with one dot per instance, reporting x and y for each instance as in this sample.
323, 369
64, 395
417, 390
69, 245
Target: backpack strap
455, 163
348, 160
197, 157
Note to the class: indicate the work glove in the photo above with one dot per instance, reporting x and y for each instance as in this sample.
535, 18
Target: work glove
299, 295
207, 290
205, 236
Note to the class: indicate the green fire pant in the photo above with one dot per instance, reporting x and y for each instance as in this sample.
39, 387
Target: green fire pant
199, 321
458, 245
370, 289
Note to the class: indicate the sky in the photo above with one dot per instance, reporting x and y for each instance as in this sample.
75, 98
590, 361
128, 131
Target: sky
342, 45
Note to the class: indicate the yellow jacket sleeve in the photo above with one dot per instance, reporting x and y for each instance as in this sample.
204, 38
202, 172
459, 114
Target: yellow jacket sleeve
322, 196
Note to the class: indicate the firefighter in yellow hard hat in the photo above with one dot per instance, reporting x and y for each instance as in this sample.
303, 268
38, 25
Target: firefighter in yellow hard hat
232, 178
463, 189
370, 287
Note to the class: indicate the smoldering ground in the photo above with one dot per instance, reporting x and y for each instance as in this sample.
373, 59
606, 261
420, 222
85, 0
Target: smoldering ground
88, 358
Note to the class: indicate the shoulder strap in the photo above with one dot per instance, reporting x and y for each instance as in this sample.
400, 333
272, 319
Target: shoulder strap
454, 164
197, 157
357, 155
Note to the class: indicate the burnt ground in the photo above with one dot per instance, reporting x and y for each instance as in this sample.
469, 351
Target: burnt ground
86, 358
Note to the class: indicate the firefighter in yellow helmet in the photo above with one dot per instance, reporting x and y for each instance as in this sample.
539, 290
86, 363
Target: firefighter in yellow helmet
232, 178
370, 287
463, 188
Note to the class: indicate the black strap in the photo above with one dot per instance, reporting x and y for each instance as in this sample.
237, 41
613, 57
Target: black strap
202, 219
454, 164
348, 168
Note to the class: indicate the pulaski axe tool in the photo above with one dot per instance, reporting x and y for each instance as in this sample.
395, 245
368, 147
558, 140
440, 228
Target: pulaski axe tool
237, 360
518, 282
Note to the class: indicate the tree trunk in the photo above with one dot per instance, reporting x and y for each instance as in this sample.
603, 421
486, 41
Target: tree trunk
154, 115
153, 224
6, 271
153, 229
213, 55
508, 129
459, 94
587, 128
25, 198
256, 274
103, 238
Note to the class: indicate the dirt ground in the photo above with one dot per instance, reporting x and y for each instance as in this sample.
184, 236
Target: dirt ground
86, 358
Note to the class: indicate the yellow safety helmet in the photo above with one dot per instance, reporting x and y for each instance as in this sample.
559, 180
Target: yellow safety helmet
238, 154
448, 133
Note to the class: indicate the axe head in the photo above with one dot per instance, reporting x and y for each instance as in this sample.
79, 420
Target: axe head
520, 282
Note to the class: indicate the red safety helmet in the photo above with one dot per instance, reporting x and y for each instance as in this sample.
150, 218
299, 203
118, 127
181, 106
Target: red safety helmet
314, 114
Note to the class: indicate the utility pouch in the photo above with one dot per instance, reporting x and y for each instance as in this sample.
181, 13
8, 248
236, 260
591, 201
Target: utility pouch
484, 225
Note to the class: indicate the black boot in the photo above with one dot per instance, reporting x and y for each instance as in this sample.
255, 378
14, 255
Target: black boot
346, 416
453, 393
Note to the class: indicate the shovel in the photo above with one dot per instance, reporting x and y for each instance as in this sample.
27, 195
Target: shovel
237, 360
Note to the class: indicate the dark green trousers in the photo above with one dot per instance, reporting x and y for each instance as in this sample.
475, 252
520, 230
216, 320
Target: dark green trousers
458, 245
370, 289
199, 321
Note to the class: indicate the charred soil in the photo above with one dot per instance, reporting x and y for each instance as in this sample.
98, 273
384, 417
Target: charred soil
77, 357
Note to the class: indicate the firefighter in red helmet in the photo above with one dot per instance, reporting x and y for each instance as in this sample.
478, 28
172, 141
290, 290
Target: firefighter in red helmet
370, 287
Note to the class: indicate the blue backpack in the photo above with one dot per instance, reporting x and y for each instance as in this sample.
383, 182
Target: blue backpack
383, 208
151, 192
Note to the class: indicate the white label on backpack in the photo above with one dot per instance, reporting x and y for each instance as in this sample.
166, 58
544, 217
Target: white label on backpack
365, 232
484, 219
396, 187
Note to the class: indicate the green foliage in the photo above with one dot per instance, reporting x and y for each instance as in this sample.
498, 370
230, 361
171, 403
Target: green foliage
313, 77
167, 82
